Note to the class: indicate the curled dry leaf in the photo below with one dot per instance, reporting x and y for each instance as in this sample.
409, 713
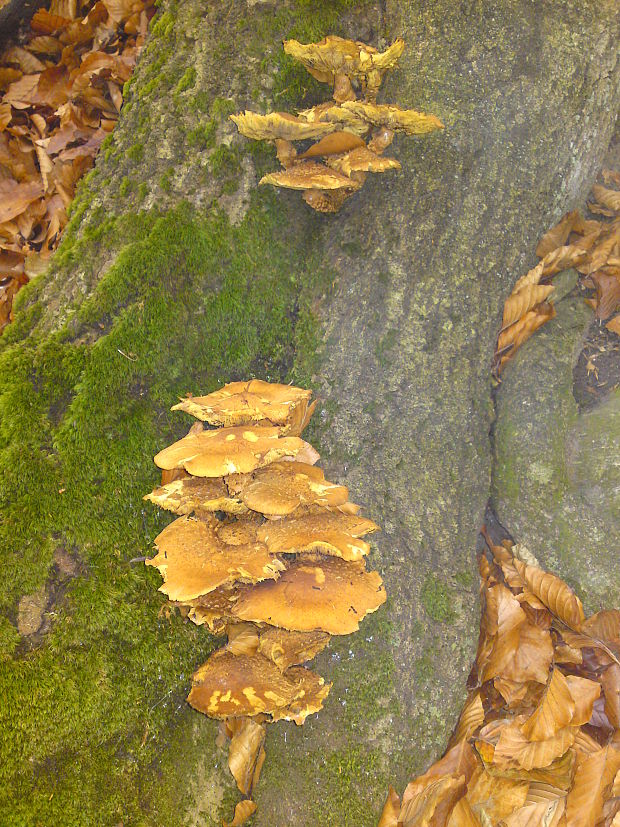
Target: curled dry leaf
518, 333
246, 753
391, 809
558, 235
606, 197
243, 810
554, 593
523, 300
541, 814
594, 773
433, 804
554, 711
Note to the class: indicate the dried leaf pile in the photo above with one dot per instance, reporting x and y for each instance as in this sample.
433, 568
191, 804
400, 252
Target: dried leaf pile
61, 95
592, 247
352, 133
266, 551
538, 740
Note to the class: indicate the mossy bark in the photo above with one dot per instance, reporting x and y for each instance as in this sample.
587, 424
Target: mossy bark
175, 275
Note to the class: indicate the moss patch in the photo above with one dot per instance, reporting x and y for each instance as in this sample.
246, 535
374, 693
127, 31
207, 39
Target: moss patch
187, 303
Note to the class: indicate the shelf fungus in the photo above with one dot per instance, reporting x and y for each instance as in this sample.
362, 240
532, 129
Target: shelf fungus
352, 130
265, 550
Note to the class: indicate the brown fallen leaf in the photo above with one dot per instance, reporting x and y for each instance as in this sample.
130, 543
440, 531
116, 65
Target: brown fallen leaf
523, 300
606, 197
593, 774
557, 235
607, 292
391, 809
246, 753
554, 711
554, 593
243, 810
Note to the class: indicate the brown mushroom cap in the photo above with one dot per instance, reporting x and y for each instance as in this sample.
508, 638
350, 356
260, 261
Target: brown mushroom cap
309, 175
281, 487
334, 55
328, 532
194, 559
183, 496
215, 609
287, 648
324, 201
230, 685
229, 450
362, 159
331, 595
245, 403
399, 120
278, 125
315, 690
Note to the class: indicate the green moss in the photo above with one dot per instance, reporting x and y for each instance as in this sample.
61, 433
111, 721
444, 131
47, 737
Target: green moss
136, 152
165, 182
224, 161
437, 600
125, 187
143, 191
187, 81
163, 26
188, 302
203, 136
221, 108
201, 101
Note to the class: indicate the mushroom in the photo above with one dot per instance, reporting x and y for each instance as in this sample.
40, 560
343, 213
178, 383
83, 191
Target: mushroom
282, 487
199, 494
279, 125
230, 685
286, 648
362, 159
332, 596
315, 690
246, 403
334, 56
308, 175
398, 120
327, 532
194, 559
230, 450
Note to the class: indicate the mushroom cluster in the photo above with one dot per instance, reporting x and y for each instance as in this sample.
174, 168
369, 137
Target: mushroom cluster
352, 134
266, 551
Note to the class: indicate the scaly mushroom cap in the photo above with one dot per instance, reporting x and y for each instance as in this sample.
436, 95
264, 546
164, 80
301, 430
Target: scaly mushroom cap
278, 125
281, 487
334, 55
339, 117
286, 648
331, 595
309, 175
398, 120
362, 159
183, 496
230, 685
328, 532
326, 202
215, 609
195, 557
246, 403
230, 450
315, 690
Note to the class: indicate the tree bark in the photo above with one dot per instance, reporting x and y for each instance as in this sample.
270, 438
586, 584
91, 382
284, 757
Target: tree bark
176, 275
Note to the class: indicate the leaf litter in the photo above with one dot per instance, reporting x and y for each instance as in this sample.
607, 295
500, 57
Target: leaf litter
537, 742
592, 247
60, 95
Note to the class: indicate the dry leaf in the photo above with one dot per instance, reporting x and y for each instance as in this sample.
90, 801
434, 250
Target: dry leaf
554, 593
554, 711
243, 810
606, 197
593, 774
519, 302
391, 809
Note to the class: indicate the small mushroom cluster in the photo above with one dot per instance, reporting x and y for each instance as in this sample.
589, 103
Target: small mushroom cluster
352, 133
265, 550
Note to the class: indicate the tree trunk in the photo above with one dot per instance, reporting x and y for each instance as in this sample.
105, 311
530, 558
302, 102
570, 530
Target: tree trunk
177, 274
